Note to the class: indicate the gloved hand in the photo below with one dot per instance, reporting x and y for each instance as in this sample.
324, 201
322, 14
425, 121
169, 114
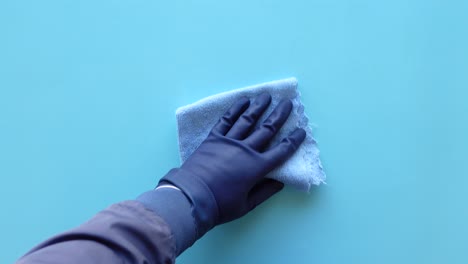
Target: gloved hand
224, 177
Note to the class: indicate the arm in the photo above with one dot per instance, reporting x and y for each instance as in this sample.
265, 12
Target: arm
126, 232
220, 182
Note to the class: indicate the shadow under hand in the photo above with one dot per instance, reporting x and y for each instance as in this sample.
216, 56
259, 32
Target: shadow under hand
270, 221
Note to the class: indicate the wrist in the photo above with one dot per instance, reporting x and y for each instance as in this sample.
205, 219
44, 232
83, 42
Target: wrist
174, 208
204, 207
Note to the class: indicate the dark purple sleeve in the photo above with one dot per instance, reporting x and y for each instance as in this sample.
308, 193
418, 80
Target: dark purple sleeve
126, 232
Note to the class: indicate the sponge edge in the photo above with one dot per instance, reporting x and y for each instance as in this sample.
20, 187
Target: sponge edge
302, 170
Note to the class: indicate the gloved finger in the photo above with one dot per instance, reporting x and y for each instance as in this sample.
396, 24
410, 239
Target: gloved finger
262, 191
229, 118
262, 135
286, 147
247, 120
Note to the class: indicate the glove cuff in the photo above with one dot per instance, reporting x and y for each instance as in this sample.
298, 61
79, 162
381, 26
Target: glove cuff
204, 205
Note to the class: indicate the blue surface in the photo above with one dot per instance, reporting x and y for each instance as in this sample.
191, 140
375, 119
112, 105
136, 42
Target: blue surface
89, 90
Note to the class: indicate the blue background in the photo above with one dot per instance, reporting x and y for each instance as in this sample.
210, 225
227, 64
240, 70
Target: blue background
88, 91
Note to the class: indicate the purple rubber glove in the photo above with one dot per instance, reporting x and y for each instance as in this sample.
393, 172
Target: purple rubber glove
224, 178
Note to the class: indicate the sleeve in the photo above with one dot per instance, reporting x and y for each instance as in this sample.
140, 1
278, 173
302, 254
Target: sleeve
126, 232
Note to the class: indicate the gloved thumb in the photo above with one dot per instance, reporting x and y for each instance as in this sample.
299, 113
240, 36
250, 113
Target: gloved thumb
262, 191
